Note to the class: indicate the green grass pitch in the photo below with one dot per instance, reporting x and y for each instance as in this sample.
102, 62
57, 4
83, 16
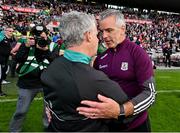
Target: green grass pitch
164, 113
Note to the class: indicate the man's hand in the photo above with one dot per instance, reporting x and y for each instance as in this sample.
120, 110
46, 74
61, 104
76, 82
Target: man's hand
106, 108
48, 113
15, 49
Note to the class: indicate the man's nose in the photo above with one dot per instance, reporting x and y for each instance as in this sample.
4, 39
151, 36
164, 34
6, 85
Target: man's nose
105, 34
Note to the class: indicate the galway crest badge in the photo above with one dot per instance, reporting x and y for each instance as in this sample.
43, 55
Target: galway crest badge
124, 66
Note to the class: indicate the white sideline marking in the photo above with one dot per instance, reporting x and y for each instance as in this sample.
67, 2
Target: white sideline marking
13, 100
168, 91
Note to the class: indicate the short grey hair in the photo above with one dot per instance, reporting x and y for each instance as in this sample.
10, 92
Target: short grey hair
73, 25
120, 21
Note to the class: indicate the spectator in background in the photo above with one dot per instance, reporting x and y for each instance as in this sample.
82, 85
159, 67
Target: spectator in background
5, 49
33, 57
55, 37
101, 45
167, 51
130, 66
15, 48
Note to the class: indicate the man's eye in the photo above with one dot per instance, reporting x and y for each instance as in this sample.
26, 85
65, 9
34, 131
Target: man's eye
109, 30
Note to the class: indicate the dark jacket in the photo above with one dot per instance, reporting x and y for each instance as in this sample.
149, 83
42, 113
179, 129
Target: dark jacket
167, 52
5, 49
66, 83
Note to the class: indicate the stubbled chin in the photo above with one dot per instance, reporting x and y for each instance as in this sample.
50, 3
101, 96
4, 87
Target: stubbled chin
110, 45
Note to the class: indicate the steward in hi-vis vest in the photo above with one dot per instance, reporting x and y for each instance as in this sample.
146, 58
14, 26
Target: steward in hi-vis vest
33, 57
32, 63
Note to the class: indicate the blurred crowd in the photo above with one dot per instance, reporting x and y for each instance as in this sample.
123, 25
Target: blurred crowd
31, 40
164, 27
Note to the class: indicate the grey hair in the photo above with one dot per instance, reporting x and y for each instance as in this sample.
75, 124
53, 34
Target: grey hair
73, 25
120, 21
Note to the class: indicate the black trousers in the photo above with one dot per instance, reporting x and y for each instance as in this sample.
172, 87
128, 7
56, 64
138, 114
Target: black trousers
13, 67
4, 70
2, 74
144, 127
168, 61
115, 126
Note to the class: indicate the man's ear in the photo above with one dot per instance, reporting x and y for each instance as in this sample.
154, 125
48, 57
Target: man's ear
123, 27
88, 36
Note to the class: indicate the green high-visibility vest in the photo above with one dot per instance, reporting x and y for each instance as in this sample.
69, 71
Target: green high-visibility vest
31, 63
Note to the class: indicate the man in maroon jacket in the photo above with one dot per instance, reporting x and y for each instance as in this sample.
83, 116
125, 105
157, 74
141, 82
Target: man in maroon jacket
128, 65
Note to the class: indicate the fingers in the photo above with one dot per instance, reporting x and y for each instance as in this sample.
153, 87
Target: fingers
103, 98
48, 113
87, 110
91, 115
88, 115
95, 109
92, 104
95, 104
94, 116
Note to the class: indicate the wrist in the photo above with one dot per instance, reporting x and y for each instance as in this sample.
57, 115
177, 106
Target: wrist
128, 108
122, 112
